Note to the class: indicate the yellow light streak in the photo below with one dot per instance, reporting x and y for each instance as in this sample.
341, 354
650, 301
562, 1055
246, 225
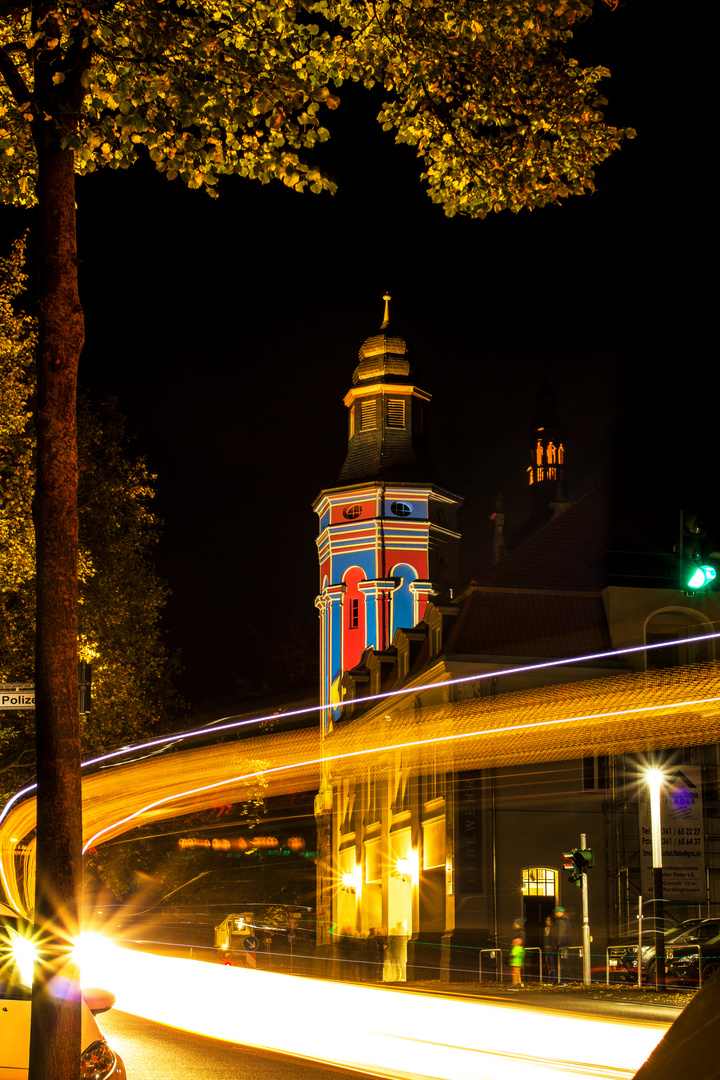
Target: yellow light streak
385, 748
376, 1029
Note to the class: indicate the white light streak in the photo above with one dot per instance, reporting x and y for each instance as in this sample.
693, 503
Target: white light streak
376, 1029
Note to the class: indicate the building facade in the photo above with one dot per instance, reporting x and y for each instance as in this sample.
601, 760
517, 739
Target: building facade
515, 717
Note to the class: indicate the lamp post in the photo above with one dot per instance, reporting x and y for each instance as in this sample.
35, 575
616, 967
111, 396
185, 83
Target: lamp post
655, 779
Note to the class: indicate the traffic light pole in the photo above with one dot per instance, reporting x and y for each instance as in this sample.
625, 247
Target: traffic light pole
587, 959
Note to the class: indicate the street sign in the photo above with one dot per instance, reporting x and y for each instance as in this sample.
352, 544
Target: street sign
292, 937
18, 696
250, 943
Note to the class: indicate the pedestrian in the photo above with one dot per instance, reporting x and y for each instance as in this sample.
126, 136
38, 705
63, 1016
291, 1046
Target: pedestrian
396, 966
549, 961
519, 929
560, 940
381, 944
517, 955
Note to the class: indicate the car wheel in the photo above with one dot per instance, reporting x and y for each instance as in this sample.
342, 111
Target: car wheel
650, 972
710, 969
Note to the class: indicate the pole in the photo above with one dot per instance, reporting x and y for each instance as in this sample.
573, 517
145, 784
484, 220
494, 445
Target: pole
587, 959
654, 779
639, 957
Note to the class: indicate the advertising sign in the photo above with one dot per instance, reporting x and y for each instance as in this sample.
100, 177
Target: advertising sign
683, 836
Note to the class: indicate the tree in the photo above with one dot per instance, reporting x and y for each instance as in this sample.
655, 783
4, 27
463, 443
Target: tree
120, 596
498, 114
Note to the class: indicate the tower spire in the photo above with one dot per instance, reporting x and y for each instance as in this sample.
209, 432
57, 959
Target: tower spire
386, 318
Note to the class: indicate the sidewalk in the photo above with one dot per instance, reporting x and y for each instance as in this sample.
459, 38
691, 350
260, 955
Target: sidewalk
596, 999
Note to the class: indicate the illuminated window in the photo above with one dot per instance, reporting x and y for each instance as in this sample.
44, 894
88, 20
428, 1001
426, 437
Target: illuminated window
561, 454
354, 618
551, 474
531, 475
400, 509
396, 413
539, 475
368, 415
433, 844
539, 453
352, 421
551, 455
539, 882
353, 511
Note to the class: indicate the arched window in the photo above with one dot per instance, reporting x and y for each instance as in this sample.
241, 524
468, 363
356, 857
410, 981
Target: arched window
671, 632
551, 453
540, 881
539, 453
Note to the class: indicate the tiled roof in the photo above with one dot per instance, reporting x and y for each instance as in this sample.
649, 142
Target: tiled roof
528, 624
565, 553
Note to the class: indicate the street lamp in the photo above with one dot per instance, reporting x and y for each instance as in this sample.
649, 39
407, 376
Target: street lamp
655, 779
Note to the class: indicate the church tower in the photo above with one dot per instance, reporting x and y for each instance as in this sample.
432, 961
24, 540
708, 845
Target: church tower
388, 539
546, 471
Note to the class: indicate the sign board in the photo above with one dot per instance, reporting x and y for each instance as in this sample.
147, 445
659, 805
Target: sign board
683, 836
292, 937
250, 943
18, 696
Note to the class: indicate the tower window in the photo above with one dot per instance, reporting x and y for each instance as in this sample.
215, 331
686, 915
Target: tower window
353, 511
354, 619
539, 453
401, 509
368, 415
352, 421
561, 454
551, 453
396, 413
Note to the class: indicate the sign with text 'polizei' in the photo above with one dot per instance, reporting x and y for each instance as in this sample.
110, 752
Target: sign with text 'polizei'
20, 696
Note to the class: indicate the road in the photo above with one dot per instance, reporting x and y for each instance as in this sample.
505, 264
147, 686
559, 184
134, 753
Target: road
152, 1050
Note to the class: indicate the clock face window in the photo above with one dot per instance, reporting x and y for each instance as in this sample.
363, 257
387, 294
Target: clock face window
401, 509
353, 511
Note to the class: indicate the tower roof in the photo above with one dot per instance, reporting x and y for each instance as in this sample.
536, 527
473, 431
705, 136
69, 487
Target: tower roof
383, 355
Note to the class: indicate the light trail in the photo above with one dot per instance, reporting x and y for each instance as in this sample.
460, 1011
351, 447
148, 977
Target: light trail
453, 737
380, 1030
214, 728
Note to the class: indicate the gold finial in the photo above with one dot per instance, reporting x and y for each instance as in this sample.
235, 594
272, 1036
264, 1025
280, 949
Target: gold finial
387, 298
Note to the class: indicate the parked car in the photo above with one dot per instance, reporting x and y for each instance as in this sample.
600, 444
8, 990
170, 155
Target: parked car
97, 1060
701, 942
622, 958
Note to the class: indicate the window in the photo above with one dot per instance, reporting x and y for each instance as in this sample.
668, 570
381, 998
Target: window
368, 414
396, 413
352, 421
539, 453
433, 843
595, 773
561, 454
401, 509
353, 511
354, 618
373, 861
551, 455
539, 882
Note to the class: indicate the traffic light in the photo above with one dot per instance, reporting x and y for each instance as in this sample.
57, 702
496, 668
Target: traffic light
578, 862
696, 553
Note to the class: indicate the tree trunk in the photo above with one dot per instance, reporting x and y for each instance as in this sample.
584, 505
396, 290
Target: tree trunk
55, 1029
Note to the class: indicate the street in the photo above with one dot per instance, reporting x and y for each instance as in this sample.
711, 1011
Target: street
152, 1050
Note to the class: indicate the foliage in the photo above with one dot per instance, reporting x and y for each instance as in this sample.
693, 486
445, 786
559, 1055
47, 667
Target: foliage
499, 114
121, 598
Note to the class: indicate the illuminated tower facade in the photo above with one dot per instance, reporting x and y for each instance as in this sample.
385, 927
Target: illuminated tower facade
388, 539
546, 471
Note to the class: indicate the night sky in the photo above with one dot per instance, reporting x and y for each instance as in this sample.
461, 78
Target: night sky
228, 329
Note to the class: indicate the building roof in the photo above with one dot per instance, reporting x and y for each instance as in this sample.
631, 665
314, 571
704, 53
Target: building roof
529, 624
571, 552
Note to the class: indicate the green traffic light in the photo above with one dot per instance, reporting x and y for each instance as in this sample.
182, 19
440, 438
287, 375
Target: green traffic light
701, 577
